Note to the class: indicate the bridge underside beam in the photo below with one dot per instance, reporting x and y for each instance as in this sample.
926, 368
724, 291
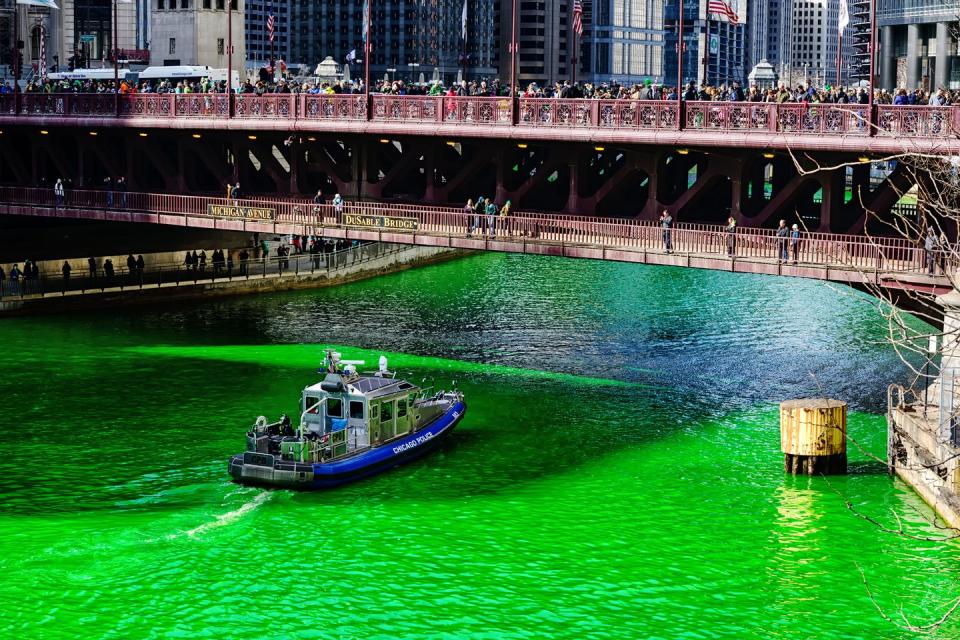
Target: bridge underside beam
615, 179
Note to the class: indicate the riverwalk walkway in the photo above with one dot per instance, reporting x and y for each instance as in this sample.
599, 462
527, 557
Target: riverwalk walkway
177, 276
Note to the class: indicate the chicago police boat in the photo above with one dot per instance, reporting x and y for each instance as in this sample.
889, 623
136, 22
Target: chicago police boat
351, 426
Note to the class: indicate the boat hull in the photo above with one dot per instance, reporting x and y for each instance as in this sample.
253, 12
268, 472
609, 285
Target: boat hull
268, 470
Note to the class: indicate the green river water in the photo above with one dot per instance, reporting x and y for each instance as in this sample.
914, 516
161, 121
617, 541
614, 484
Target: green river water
618, 473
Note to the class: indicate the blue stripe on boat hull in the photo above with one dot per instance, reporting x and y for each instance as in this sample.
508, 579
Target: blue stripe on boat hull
411, 447
327, 475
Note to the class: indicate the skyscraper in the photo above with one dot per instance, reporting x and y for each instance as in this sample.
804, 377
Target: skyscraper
764, 31
811, 49
627, 42
714, 46
409, 38
918, 43
256, 35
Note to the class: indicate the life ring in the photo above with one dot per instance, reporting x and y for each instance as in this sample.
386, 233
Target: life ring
261, 422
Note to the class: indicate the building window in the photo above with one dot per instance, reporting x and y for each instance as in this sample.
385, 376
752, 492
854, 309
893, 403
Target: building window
220, 47
184, 4
159, 4
220, 5
206, 4
173, 46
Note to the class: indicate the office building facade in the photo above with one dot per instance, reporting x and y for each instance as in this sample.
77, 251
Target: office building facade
918, 43
80, 29
194, 32
409, 39
714, 48
256, 35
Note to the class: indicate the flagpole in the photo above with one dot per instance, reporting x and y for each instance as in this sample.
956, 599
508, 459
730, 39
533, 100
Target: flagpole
366, 51
839, 54
513, 53
273, 63
116, 56
16, 58
706, 56
873, 58
229, 58
680, 61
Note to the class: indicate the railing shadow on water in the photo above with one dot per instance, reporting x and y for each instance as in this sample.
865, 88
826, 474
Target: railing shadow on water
81, 282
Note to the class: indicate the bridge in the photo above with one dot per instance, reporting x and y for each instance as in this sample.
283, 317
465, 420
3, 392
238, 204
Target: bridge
621, 158
872, 264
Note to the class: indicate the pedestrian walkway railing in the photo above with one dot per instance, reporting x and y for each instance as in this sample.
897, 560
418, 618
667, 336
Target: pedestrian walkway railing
397, 222
541, 113
177, 275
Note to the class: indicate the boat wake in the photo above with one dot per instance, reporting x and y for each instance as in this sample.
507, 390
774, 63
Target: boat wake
228, 518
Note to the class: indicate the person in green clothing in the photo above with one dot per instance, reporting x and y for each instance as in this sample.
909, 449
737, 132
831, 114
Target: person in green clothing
504, 212
491, 217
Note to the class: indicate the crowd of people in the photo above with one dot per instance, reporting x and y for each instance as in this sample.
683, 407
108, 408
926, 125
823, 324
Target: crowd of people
731, 92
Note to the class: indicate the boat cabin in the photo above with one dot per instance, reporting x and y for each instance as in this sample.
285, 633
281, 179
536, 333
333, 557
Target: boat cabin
351, 412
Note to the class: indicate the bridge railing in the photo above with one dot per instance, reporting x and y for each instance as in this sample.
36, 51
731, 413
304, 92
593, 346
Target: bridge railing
333, 107
856, 252
918, 121
552, 113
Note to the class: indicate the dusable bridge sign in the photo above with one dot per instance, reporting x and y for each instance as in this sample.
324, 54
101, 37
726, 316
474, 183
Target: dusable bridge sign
380, 222
237, 211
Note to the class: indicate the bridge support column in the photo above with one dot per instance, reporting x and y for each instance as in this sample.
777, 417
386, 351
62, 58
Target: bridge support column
737, 188
502, 194
573, 196
295, 154
832, 192
429, 169
81, 167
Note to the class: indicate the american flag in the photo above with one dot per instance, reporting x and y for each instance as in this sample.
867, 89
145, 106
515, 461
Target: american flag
578, 18
723, 9
270, 27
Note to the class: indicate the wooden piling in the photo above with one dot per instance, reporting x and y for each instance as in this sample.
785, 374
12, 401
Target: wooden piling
813, 436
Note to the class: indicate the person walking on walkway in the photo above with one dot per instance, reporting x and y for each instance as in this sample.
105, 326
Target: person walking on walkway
92, 267
244, 257
491, 218
731, 236
795, 242
930, 248
783, 234
66, 269
467, 214
338, 208
666, 223
108, 185
504, 214
59, 193
229, 191
122, 190
478, 209
14, 279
